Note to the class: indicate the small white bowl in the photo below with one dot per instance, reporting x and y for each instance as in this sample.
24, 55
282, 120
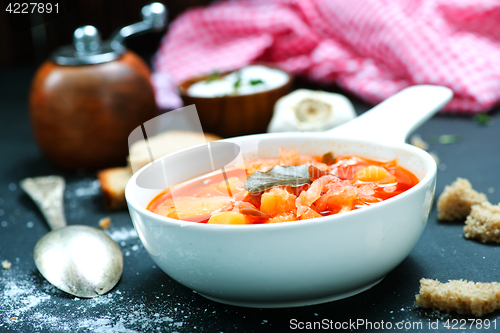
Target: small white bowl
302, 262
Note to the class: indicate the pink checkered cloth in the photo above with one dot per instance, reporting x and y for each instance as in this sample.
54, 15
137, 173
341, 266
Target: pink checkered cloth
372, 48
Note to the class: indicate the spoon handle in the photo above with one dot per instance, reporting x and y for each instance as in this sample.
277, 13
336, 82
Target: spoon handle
47, 193
391, 121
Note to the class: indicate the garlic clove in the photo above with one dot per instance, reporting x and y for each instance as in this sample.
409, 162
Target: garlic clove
309, 110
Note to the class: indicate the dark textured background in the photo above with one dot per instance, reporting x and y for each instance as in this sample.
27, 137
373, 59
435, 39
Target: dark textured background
34, 45
147, 300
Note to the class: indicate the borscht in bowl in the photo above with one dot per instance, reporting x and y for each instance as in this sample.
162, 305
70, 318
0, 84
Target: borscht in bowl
288, 188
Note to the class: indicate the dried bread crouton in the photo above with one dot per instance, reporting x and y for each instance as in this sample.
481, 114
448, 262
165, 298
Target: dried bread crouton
462, 296
105, 222
113, 182
483, 223
456, 200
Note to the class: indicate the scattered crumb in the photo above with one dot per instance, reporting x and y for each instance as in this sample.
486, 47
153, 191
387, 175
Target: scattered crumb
462, 296
417, 141
6, 264
483, 223
13, 318
491, 190
456, 200
104, 222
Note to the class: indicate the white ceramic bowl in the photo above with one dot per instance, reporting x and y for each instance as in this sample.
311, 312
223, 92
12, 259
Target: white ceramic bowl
302, 262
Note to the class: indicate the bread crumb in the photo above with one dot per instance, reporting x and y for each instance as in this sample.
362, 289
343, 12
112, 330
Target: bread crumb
104, 222
163, 144
456, 200
483, 223
461, 296
6, 264
417, 141
113, 182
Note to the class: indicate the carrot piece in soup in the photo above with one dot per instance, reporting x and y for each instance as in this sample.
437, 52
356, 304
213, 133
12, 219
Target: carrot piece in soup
389, 180
371, 173
309, 214
192, 208
277, 201
284, 217
228, 218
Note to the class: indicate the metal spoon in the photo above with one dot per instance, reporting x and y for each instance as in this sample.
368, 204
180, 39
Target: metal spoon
80, 260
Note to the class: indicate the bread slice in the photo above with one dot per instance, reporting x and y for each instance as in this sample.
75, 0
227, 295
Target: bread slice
483, 223
164, 144
114, 180
457, 199
462, 296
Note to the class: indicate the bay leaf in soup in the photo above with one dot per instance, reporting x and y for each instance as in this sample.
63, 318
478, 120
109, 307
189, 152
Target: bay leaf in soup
278, 176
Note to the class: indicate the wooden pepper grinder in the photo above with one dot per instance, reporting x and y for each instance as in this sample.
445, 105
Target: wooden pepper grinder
87, 99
